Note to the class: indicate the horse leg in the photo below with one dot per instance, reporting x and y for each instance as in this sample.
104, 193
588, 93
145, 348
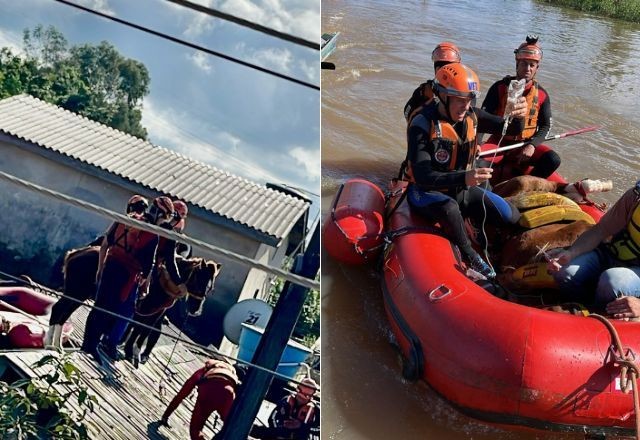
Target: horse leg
144, 331
65, 306
134, 341
134, 332
152, 338
520, 184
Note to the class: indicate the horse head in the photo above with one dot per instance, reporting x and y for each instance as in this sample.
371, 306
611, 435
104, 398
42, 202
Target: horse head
201, 277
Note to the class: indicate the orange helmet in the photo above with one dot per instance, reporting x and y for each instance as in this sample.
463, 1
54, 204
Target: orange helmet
456, 79
529, 50
446, 52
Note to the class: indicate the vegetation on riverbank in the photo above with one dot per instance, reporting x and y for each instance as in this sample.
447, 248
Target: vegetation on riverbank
628, 10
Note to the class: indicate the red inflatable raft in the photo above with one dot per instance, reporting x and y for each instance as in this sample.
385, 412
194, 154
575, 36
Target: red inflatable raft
23, 331
494, 360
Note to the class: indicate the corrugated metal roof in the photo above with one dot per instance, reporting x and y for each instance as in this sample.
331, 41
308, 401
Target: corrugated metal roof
255, 206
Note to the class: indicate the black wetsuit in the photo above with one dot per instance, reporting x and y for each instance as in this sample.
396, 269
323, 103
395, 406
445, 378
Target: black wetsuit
440, 195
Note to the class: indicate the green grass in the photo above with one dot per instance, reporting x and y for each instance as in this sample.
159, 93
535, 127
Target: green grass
628, 10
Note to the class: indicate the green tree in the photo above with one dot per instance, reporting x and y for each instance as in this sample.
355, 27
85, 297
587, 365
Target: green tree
95, 81
35, 408
307, 328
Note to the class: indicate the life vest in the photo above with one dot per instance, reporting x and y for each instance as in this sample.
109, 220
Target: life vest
426, 96
128, 242
303, 413
219, 369
531, 121
448, 150
626, 245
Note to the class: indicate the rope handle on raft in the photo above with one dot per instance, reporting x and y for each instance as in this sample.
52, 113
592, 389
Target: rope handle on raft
439, 292
629, 370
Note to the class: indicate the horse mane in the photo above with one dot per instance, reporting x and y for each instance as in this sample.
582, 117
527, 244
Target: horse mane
200, 263
72, 253
215, 267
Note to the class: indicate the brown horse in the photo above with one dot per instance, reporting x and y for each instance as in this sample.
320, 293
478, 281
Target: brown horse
575, 191
150, 310
81, 265
520, 249
525, 247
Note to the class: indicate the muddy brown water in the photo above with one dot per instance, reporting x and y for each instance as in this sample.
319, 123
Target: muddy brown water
591, 71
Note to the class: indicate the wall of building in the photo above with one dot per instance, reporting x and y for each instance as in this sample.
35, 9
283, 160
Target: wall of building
39, 230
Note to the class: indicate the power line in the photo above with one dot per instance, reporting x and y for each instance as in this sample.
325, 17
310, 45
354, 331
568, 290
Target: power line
192, 45
193, 344
124, 219
246, 23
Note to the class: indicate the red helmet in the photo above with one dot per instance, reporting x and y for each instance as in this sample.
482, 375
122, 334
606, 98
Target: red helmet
529, 50
137, 204
162, 206
308, 383
180, 208
456, 79
446, 52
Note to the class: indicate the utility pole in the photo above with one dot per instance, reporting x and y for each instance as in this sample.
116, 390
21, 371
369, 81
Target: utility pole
272, 345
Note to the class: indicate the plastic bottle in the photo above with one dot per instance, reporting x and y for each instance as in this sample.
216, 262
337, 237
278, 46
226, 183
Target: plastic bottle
516, 89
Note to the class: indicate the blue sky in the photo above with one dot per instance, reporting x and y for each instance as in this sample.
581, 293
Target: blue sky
237, 119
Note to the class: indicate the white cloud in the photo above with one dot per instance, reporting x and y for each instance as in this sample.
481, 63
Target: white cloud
245, 9
11, 40
98, 5
277, 59
309, 159
311, 70
301, 18
202, 61
198, 23
177, 132
201, 24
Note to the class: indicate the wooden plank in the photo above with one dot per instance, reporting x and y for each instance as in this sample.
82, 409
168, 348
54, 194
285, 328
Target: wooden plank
128, 403
129, 399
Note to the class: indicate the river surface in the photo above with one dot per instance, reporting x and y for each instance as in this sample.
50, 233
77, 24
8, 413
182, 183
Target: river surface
592, 74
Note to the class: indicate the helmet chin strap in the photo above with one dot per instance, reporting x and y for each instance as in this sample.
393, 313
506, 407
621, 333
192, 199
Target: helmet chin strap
445, 102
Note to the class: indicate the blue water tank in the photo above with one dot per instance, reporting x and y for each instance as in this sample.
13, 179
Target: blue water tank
294, 354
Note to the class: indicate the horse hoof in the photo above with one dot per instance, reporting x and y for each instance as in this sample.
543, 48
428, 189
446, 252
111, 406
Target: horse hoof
47, 342
136, 356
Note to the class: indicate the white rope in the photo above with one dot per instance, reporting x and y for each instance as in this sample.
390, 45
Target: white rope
121, 218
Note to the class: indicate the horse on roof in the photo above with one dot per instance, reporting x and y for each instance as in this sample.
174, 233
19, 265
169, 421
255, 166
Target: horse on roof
81, 265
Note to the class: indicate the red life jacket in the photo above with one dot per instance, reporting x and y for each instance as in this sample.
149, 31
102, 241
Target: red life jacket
303, 413
127, 244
